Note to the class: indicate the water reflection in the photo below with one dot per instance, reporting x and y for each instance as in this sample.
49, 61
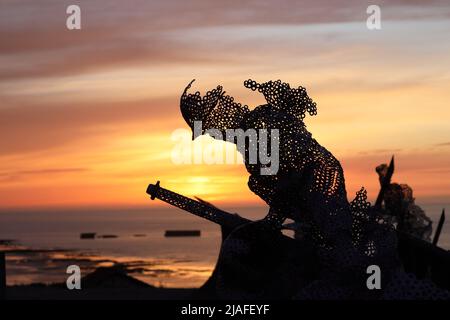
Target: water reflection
26, 265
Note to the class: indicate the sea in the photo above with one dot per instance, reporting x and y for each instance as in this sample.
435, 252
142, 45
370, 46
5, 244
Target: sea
41, 245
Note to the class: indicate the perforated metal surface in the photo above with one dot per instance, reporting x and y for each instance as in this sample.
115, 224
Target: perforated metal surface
309, 187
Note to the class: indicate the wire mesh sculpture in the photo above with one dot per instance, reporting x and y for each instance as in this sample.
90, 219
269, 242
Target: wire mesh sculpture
309, 188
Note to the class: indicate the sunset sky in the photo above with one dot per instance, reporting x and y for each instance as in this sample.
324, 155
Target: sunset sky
86, 116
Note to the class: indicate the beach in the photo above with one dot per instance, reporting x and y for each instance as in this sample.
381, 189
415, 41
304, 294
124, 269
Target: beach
42, 244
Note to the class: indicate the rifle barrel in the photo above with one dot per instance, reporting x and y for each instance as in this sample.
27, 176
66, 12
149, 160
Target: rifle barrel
223, 218
385, 184
439, 228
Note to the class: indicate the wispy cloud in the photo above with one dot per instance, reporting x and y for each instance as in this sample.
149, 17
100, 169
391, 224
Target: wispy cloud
99, 104
22, 175
444, 144
52, 171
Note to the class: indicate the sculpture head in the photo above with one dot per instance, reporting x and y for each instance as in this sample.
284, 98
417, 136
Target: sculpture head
219, 111
282, 115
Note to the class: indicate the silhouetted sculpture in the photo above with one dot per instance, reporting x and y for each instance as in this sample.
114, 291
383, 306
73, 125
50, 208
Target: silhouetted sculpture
400, 208
310, 189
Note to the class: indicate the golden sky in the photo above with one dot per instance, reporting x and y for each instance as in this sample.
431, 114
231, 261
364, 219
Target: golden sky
86, 116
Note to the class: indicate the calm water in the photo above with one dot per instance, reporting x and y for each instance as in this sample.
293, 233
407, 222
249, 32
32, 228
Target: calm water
171, 262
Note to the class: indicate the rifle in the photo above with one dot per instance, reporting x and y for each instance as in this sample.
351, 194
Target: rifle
228, 221
385, 184
281, 264
200, 209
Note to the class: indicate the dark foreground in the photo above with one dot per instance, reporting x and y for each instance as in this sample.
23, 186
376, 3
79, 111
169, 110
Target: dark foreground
110, 283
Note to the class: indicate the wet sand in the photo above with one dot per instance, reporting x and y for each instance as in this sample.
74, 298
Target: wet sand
109, 283
27, 266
